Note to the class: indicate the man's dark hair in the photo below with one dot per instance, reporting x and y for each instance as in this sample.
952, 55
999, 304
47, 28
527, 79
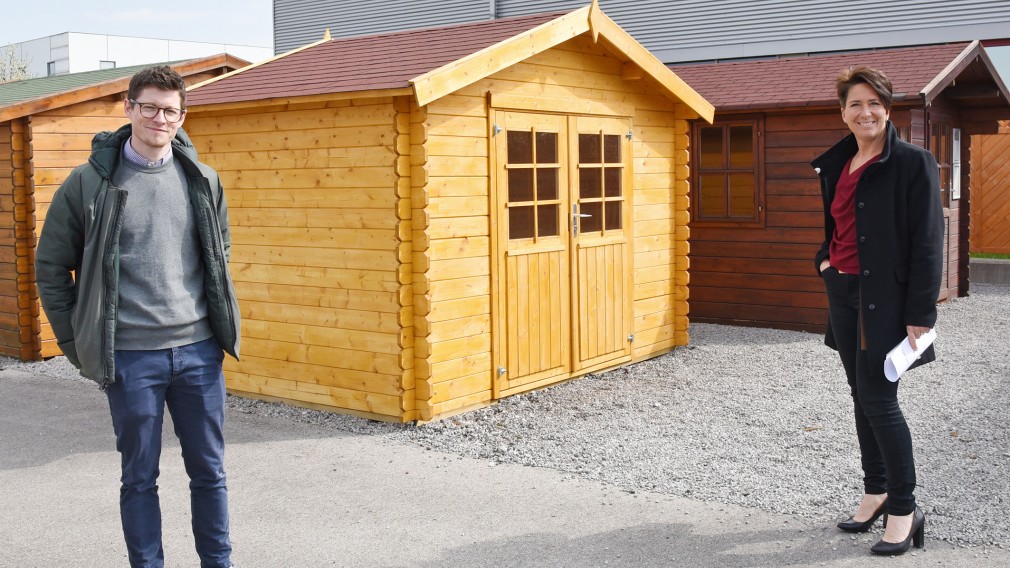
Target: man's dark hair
161, 77
873, 78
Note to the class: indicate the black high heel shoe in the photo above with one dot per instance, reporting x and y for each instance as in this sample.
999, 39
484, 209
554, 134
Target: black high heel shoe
853, 526
916, 536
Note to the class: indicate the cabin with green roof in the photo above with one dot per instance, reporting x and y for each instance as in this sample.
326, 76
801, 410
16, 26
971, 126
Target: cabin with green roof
46, 127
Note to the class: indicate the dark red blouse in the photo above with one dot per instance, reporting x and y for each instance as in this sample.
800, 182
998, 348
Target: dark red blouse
843, 252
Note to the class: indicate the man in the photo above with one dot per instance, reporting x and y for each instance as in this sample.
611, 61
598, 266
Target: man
132, 271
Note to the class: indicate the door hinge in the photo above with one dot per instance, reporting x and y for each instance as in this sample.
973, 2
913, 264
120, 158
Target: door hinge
495, 129
629, 135
631, 338
501, 371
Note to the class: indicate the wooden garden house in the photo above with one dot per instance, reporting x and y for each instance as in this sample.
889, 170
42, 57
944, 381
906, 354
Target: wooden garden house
426, 221
46, 127
756, 213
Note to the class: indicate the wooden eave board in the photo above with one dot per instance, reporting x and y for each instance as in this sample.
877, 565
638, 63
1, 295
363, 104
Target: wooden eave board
467, 70
32, 96
365, 63
810, 81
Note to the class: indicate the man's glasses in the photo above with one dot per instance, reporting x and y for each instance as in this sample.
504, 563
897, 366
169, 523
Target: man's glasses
147, 110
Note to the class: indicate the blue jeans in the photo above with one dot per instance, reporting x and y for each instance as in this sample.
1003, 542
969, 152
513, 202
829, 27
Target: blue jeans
189, 380
885, 443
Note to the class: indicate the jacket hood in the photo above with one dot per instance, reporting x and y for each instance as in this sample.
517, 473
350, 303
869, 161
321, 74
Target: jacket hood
106, 147
836, 156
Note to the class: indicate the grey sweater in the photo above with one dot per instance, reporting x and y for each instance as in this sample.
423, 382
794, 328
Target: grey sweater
161, 294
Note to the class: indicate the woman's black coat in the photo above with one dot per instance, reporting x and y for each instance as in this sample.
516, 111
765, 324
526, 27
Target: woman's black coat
899, 228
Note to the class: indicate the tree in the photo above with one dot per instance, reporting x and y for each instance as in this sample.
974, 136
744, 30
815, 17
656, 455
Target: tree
13, 66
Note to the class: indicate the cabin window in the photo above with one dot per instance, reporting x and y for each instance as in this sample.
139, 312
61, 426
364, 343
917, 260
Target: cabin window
726, 172
601, 196
942, 146
534, 202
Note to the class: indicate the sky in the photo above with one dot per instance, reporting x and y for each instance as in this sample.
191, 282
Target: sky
236, 22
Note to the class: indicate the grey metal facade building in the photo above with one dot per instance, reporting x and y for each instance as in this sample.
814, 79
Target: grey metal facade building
679, 30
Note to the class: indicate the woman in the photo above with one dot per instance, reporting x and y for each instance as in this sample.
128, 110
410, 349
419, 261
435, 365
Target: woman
881, 263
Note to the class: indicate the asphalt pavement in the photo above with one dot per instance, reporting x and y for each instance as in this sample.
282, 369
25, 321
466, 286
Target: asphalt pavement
308, 496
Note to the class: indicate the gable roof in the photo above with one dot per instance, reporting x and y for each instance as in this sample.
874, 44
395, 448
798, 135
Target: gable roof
431, 62
30, 96
917, 74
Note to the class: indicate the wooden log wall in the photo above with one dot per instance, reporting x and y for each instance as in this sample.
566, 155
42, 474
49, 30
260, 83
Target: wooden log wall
315, 206
17, 297
765, 276
990, 195
452, 283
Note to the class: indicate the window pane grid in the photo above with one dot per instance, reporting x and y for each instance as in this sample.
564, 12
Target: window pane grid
533, 174
726, 178
600, 191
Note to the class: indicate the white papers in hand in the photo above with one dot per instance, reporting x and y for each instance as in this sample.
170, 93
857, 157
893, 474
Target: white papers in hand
902, 356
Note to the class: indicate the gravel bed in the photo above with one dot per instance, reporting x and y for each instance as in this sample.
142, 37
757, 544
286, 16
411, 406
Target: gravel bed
754, 417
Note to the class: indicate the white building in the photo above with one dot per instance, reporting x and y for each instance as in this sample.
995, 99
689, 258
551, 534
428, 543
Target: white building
72, 52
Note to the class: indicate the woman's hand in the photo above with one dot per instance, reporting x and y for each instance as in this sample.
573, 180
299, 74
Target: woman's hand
824, 265
915, 332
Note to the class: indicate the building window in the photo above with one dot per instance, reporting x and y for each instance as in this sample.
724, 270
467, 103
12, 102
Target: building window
102, 64
50, 69
726, 177
941, 145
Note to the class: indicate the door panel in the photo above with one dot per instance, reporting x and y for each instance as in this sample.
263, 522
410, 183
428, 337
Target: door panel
601, 220
533, 243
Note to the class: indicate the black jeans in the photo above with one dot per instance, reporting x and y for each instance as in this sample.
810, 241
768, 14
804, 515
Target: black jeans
885, 444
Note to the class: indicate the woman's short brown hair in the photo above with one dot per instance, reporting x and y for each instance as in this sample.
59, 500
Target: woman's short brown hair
869, 76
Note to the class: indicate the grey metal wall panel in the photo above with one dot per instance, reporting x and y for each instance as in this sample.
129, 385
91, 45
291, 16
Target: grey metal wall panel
683, 30
300, 22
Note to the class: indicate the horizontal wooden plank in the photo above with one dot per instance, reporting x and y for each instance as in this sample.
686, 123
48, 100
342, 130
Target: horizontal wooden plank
704, 267
315, 276
317, 374
336, 137
54, 124
807, 319
752, 281
328, 297
312, 188
474, 385
441, 290
317, 237
311, 256
354, 340
806, 235
381, 363
284, 217
361, 320
754, 247
274, 123
301, 158
326, 396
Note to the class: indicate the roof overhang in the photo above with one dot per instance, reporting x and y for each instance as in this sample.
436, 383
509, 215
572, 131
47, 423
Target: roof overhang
946, 81
105, 88
444, 80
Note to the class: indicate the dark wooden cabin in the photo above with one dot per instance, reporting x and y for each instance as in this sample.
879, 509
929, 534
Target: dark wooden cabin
756, 218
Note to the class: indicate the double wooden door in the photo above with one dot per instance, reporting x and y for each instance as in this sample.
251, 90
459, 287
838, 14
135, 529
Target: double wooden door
563, 246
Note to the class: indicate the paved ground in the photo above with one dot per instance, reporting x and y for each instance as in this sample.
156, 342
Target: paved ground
307, 497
